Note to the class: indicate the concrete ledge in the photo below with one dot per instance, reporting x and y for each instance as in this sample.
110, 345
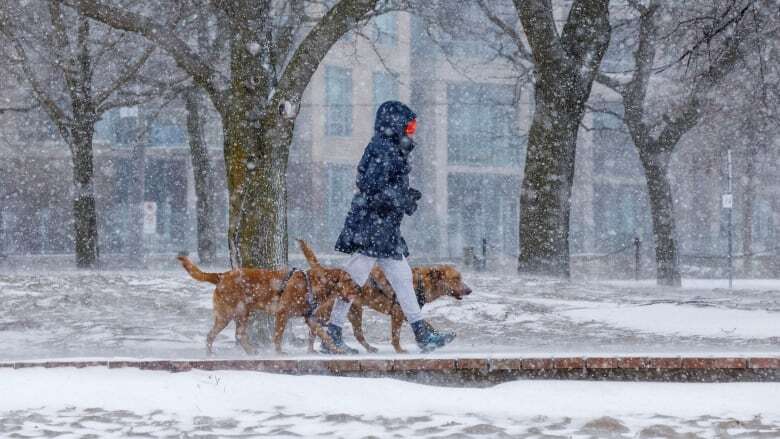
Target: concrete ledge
474, 371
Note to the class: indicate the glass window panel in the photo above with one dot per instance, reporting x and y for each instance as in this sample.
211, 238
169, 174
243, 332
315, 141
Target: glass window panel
385, 88
341, 183
482, 126
482, 206
614, 153
386, 29
338, 101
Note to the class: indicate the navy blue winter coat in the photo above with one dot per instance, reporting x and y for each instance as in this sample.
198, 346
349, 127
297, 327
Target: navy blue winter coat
373, 225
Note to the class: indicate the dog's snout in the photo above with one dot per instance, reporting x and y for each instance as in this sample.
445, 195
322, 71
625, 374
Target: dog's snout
466, 291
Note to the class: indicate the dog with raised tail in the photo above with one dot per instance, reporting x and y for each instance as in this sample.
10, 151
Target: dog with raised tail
431, 282
283, 293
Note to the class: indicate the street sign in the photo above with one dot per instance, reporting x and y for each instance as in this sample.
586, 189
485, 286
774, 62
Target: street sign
150, 217
728, 201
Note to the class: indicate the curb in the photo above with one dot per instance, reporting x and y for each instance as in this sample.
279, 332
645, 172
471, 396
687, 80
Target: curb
473, 370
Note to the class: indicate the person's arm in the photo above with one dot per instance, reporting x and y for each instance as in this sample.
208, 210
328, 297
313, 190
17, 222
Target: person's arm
375, 173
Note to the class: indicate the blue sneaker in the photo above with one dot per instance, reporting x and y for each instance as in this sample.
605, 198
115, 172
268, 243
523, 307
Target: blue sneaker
335, 334
427, 338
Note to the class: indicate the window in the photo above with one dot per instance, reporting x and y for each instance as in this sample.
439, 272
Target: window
621, 212
614, 153
105, 126
338, 101
482, 206
385, 88
467, 33
341, 187
386, 30
482, 125
619, 57
167, 133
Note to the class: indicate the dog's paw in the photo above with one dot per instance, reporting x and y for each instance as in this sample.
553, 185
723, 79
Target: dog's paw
401, 351
371, 349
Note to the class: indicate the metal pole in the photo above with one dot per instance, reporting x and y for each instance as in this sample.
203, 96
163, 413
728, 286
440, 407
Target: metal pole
730, 207
637, 261
484, 253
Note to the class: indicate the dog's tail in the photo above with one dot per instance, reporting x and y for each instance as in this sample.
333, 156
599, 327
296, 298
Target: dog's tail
195, 272
308, 253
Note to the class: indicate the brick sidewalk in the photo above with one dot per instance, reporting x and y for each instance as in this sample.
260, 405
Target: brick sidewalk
474, 371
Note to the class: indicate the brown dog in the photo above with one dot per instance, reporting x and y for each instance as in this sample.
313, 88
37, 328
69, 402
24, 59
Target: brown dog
279, 292
430, 283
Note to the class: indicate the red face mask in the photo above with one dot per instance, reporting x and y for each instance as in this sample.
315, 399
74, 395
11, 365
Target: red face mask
411, 128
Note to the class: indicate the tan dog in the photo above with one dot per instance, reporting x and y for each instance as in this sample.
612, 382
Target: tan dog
430, 283
282, 293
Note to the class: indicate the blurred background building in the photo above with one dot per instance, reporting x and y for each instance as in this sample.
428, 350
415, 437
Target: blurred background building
473, 116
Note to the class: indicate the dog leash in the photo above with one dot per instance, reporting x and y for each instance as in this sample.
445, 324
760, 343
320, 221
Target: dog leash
311, 301
286, 280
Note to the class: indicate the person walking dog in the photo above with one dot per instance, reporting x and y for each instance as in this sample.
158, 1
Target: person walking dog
372, 229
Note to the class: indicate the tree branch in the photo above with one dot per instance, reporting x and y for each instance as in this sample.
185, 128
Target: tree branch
131, 72
26, 109
586, 34
635, 92
202, 73
610, 82
286, 35
57, 115
318, 41
510, 31
539, 26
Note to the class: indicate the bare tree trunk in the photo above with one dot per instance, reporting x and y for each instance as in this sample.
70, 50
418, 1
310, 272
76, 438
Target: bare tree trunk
256, 151
655, 150
84, 210
204, 178
257, 187
257, 190
545, 198
565, 67
662, 210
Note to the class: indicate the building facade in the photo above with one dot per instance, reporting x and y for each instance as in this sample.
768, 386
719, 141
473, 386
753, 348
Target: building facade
473, 118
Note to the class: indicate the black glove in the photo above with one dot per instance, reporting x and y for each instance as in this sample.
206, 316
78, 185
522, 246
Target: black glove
411, 202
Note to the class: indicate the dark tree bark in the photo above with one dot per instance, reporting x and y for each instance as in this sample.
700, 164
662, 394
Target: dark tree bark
256, 135
659, 188
655, 150
565, 67
84, 211
204, 176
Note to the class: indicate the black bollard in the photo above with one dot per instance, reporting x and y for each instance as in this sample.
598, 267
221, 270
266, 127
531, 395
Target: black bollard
483, 263
637, 256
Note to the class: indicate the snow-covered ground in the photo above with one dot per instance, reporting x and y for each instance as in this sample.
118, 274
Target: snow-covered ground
99, 402
165, 314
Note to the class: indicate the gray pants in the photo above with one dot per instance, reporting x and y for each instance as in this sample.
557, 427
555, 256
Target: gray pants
398, 273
